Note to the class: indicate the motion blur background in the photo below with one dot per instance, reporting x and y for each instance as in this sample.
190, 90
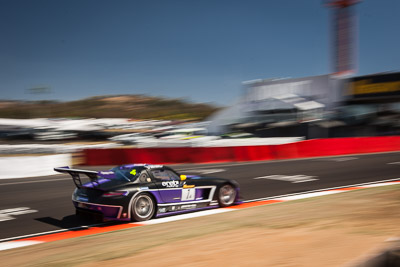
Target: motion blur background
98, 83
195, 73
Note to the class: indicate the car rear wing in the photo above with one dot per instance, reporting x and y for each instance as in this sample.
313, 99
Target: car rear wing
75, 174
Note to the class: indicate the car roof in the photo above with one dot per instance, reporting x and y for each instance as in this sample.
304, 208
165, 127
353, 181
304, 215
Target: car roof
147, 166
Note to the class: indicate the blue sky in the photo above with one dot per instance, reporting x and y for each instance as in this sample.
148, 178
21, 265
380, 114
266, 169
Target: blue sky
199, 50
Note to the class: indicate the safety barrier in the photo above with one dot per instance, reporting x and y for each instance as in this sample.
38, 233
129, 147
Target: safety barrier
302, 149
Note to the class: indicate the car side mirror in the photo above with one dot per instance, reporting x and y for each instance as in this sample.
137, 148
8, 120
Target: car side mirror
183, 177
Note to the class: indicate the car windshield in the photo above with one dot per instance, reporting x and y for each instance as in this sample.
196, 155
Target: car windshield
127, 173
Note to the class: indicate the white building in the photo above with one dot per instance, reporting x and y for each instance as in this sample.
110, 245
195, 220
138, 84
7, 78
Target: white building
280, 100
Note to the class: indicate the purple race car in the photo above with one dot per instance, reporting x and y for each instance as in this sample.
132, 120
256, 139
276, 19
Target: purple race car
140, 192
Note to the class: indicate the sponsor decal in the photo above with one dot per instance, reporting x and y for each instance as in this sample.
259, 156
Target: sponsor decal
106, 173
188, 207
143, 188
154, 166
188, 194
369, 87
170, 183
213, 203
162, 210
188, 186
133, 172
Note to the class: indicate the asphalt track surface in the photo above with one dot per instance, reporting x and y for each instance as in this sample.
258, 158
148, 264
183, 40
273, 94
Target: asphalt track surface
43, 204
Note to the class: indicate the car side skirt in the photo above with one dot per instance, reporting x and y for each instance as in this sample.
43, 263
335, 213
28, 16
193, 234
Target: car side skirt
177, 206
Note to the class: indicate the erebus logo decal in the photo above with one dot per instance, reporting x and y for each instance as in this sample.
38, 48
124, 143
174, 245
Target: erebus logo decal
170, 184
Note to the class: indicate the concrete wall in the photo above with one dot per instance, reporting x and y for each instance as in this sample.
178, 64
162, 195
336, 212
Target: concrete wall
32, 166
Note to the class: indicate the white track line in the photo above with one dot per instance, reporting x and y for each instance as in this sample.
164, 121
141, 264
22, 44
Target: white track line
17, 244
186, 216
369, 184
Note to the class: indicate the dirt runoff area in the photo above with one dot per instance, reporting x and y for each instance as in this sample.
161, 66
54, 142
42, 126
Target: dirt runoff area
336, 230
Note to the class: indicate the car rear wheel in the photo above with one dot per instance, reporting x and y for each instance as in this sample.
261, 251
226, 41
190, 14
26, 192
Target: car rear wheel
143, 207
226, 195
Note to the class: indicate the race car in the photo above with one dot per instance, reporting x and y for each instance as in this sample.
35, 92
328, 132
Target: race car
139, 192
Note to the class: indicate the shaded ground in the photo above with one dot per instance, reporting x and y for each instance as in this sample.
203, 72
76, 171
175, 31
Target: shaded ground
324, 231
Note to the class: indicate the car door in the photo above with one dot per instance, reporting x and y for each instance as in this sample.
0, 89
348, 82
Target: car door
171, 188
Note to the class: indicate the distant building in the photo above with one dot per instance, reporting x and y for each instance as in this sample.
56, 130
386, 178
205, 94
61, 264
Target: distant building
278, 101
287, 107
374, 88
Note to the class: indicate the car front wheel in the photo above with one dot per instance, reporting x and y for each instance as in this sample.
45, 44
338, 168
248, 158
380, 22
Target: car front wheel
226, 195
143, 207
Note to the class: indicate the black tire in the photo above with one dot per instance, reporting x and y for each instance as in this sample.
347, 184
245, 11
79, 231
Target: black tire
226, 195
143, 207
